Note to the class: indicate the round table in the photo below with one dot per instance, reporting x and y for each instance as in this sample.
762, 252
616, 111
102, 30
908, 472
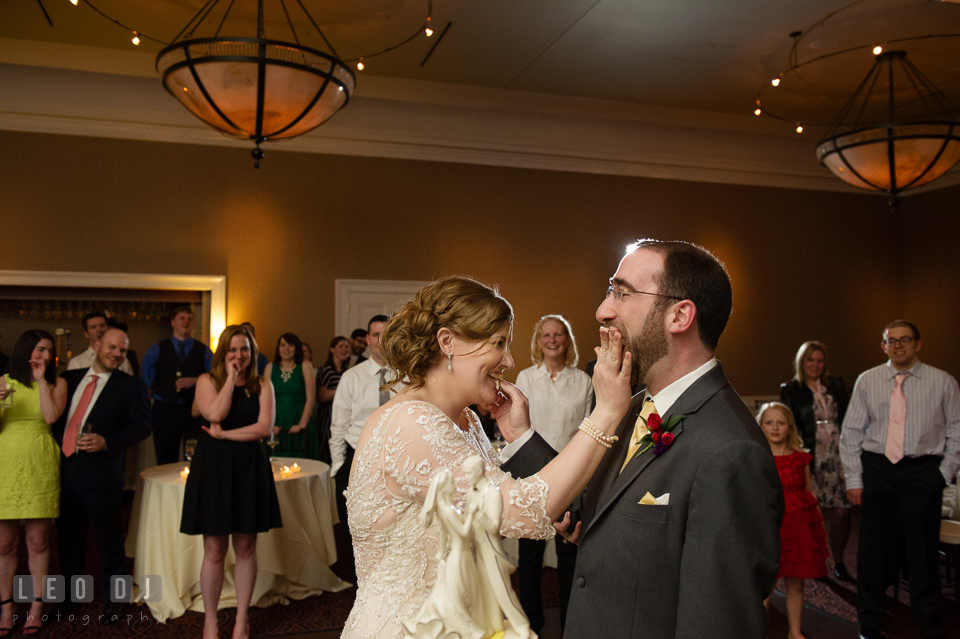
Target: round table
294, 561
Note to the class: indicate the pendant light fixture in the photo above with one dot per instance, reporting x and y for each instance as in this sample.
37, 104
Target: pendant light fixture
254, 88
895, 139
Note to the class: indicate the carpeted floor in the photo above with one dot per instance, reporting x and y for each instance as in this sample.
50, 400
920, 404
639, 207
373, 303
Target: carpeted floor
831, 609
839, 599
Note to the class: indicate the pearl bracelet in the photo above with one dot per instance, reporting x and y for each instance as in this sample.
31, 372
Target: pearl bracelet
590, 429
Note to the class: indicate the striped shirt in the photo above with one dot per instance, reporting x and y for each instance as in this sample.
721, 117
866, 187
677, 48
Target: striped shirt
932, 426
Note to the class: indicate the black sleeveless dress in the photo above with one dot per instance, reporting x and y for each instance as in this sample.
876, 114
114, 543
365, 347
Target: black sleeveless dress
230, 488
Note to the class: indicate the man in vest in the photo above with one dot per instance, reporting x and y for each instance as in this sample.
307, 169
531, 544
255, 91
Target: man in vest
170, 370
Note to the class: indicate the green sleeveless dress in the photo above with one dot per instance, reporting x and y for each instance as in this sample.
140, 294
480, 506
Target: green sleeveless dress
29, 457
291, 397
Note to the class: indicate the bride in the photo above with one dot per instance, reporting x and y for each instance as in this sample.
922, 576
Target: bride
449, 347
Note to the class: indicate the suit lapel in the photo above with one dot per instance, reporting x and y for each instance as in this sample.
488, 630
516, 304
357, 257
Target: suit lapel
619, 451
687, 404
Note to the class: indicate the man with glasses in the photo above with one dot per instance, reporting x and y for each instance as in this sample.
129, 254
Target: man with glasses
900, 447
678, 537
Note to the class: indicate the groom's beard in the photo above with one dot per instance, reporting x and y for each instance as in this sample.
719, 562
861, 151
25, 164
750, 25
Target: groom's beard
649, 347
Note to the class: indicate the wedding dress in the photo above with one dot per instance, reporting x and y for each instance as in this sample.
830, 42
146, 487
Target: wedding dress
395, 555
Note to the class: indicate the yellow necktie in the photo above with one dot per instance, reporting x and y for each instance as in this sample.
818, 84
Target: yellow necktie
640, 430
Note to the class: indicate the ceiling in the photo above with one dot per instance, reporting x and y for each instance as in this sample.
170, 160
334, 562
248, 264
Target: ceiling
703, 60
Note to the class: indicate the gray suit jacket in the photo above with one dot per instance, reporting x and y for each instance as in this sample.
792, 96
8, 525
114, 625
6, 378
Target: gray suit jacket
700, 566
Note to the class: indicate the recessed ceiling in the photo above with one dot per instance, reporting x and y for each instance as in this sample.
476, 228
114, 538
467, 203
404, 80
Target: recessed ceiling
710, 55
655, 88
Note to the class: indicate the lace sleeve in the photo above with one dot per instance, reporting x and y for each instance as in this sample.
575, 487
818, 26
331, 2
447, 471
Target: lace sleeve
420, 439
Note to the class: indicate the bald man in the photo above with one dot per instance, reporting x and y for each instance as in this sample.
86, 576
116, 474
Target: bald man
116, 409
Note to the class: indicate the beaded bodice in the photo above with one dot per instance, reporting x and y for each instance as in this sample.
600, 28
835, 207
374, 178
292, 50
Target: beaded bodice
395, 554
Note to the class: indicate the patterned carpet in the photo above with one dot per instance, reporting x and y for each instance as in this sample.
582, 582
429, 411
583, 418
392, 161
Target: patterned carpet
839, 598
329, 611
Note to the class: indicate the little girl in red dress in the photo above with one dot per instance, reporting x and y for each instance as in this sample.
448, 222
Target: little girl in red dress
803, 540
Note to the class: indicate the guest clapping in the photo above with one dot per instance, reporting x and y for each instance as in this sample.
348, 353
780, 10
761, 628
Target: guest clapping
560, 396
295, 386
32, 399
230, 490
818, 403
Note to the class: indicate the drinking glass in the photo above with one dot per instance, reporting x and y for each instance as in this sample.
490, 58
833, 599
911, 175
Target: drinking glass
189, 447
498, 442
7, 400
272, 443
85, 429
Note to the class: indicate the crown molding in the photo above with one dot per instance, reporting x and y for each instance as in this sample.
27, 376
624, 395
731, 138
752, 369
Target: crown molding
72, 90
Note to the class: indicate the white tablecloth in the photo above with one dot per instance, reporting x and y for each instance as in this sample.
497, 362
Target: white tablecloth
294, 561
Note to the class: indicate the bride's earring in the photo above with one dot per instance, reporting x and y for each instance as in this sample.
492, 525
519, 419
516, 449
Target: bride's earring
450, 361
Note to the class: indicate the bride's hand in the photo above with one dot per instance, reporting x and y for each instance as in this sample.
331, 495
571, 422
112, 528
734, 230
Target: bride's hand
512, 413
611, 375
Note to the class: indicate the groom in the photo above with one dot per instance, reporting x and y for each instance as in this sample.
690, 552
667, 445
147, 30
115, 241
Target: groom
680, 539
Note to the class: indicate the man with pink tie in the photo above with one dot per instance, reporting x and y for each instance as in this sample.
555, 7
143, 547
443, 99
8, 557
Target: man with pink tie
107, 411
900, 447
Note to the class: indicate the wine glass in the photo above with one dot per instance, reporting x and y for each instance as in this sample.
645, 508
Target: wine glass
85, 429
7, 400
272, 443
498, 442
189, 447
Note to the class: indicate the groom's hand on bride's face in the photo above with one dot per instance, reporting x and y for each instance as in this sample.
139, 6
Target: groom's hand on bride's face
512, 413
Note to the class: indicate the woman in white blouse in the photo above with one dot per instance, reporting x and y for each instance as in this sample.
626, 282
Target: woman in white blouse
560, 397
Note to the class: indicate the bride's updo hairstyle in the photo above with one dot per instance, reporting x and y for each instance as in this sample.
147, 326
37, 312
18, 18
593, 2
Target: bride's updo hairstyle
472, 311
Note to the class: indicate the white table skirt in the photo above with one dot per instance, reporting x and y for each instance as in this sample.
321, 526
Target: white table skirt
294, 561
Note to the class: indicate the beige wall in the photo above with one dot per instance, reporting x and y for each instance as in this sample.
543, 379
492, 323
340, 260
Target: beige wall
804, 264
930, 243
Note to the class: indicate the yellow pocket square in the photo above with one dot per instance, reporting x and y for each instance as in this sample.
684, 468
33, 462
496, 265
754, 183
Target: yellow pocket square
650, 500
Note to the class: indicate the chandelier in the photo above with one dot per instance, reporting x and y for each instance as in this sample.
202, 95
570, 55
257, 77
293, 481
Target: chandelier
254, 88
889, 141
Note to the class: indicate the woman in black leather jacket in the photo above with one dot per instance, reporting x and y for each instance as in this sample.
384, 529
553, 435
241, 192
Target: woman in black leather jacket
819, 403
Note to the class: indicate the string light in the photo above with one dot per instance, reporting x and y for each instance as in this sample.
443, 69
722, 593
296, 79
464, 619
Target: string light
757, 112
74, 2
428, 30
775, 82
799, 129
360, 65
877, 50
135, 39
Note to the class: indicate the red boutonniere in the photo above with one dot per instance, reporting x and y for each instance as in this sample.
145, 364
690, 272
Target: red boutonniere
660, 436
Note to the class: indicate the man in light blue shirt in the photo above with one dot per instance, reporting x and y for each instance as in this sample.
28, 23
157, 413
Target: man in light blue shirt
900, 447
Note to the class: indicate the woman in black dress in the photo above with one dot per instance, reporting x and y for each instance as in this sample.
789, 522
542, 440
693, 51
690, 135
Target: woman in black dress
818, 403
230, 489
327, 381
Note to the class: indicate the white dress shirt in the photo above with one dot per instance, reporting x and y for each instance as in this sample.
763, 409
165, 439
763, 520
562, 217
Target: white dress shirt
663, 400
358, 396
556, 407
85, 360
932, 426
668, 396
102, 379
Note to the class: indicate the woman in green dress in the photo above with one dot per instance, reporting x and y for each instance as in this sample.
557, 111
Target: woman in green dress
295, 386
32, 398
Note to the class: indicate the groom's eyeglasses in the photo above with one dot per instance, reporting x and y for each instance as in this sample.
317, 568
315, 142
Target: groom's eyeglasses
619, 292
